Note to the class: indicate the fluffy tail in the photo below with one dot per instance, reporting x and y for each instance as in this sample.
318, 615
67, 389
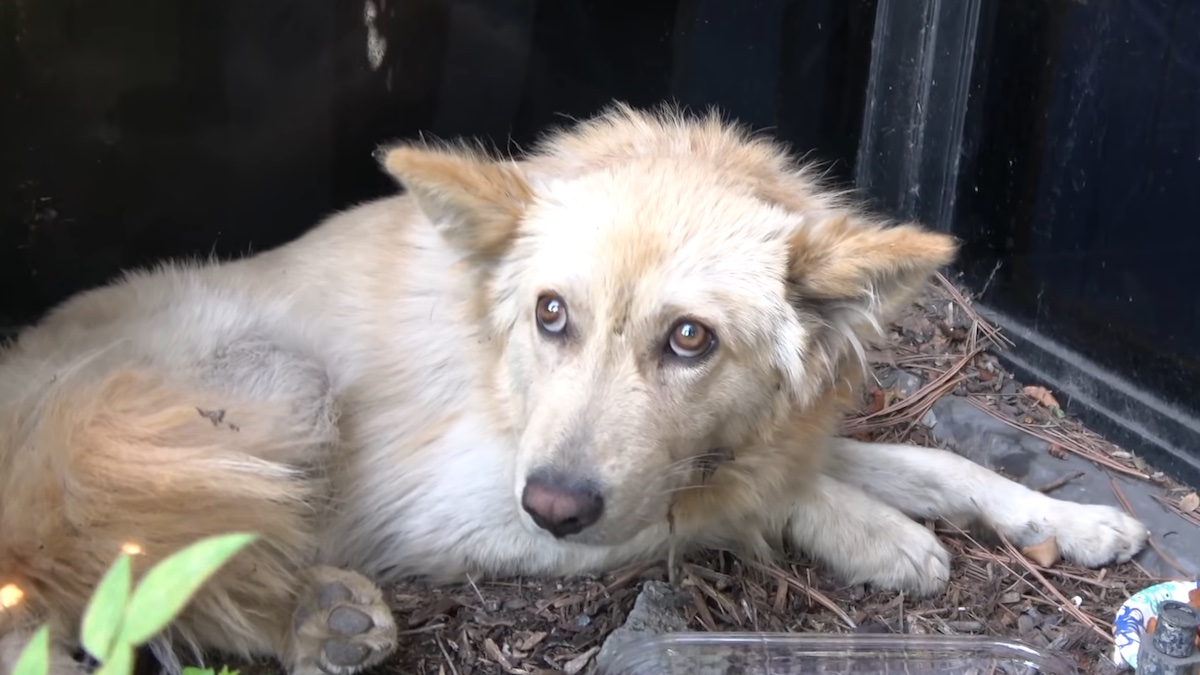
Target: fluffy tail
89, 467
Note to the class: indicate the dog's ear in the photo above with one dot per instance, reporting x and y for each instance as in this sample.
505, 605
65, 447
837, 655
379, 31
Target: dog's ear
854, 272
475, 201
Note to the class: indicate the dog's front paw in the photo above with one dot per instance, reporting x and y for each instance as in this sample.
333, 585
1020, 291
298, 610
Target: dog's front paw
1094, 535
341, 625
906, 557
889, 552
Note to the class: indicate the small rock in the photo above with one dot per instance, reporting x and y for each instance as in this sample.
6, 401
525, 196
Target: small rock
659, 608
908, 384
1025, 623
965, 626
1009, 409
1037, 617
1060, 643
873, 627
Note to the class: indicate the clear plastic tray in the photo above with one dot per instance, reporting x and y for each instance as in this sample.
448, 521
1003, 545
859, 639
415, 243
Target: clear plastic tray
796, 654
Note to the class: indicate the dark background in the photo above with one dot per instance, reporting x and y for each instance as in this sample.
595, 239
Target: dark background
140, 129
134, 130
1080, 199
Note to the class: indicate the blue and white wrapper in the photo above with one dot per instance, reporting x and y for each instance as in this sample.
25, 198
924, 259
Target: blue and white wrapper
1134, 616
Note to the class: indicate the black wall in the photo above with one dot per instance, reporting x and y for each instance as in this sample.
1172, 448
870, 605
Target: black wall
1080, 201
1060, 140
134, 130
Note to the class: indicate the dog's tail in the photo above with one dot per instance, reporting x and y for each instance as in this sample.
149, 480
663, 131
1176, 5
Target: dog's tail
129, 462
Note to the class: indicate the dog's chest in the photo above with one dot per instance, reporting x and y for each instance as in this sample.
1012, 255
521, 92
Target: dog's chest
446, 512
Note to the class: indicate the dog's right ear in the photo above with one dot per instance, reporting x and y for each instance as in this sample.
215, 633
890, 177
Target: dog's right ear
475, 202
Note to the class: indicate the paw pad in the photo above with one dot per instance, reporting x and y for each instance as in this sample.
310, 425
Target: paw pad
349, 622
342, 625
345, 654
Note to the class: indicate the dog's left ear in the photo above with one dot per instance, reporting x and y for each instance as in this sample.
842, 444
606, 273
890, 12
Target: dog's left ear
475, 201
855, 272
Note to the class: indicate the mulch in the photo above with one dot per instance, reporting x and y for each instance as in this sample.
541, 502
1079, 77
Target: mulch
558, 626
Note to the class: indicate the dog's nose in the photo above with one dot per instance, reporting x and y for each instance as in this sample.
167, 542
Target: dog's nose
561, 506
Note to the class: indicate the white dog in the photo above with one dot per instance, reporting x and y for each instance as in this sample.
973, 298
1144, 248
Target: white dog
641, 336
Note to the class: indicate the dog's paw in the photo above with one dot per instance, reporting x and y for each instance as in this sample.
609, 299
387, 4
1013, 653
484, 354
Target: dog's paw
905, 557
889, 552
341, 625
1094, 535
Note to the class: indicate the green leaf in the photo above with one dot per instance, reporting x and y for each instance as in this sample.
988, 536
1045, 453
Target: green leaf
35, 658
120, 661
102, 619
226, 671
169, 586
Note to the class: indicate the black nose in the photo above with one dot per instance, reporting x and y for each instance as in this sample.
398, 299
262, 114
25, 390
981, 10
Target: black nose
561, 505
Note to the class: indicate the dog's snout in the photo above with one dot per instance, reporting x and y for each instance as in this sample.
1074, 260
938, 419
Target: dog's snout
560, 505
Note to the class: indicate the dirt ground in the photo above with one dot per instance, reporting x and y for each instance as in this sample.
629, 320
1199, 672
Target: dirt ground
558, 627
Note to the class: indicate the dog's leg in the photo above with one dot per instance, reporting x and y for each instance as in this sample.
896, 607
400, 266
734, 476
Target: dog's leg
863, 540
341, 625
259, 370
931, 483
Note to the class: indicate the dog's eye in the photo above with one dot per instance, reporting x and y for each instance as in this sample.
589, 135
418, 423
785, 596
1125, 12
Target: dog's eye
690, 339
551, 314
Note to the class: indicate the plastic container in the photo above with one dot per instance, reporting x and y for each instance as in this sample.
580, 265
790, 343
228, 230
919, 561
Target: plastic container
794, 654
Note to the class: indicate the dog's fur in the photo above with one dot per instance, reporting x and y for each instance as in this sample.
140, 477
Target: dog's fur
372, 397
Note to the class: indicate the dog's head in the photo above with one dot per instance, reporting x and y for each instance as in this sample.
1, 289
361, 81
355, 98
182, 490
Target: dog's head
662, 292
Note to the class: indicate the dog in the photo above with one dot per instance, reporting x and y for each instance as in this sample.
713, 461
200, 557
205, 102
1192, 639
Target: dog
639, 337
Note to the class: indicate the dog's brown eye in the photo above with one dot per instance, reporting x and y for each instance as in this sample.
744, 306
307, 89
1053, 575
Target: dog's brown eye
690, 339
552, 314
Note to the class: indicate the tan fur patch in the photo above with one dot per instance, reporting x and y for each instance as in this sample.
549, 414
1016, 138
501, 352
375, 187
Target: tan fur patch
145, 465
477, 202
846, 257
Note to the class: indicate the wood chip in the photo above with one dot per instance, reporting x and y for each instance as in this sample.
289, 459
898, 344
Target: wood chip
1042, 395
1044, 553
1189, 502
493, 652
532, 641
580, 662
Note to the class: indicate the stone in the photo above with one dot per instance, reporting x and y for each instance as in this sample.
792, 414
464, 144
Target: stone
660, 608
